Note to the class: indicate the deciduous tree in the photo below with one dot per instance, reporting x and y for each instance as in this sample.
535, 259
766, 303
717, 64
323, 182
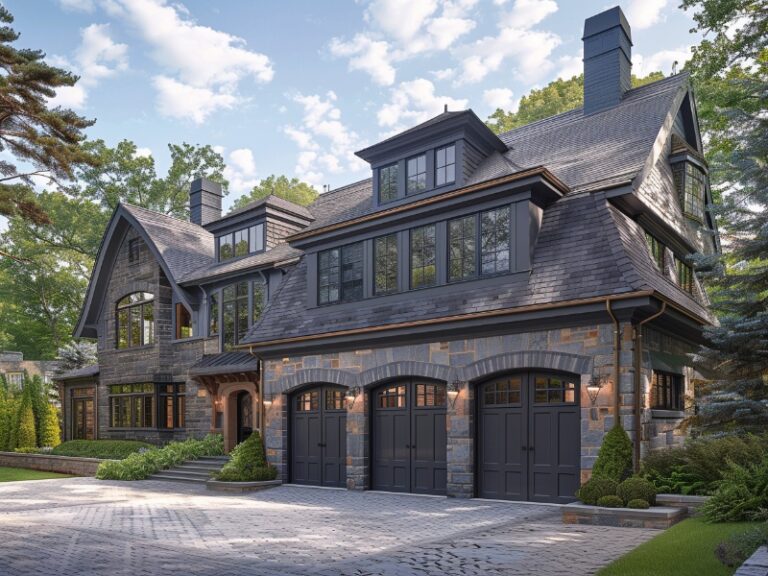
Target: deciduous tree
293, 190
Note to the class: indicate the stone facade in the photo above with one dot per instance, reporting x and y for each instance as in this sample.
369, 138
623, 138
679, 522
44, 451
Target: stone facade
51, 463
576, 350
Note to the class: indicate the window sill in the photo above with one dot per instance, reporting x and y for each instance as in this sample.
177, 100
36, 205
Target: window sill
667, 414
145, 346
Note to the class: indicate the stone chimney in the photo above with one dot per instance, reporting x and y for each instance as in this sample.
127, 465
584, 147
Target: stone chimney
204, 201
607, 60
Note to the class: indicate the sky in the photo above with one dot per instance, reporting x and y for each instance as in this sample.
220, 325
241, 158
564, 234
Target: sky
296, 87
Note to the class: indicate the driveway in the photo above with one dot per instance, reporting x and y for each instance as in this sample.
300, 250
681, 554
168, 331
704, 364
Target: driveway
83, 527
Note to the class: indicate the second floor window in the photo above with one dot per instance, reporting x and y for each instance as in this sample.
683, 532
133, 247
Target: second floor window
234, 306
340, 274
667, 391
462, 248
656, 249
135, 325
691, 188
241, 242
684, 276
416, 169
385, 264
183, 322
423, 256
494, 241
134, 250
445, 165
388, 183
213, 314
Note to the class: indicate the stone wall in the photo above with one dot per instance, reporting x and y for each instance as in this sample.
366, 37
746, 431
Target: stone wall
51, 463
577, 350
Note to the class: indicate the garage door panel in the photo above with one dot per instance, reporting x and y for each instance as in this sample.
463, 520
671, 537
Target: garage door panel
568, 443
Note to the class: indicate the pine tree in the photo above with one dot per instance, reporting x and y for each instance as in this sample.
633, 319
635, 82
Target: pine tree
26, 435
34, 392
5, 425
76, 355
52, 436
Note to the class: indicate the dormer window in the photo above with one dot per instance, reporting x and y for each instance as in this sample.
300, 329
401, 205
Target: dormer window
691, 189
656, 250
388, 183
684, 276
241, 242
445, 165
416, 170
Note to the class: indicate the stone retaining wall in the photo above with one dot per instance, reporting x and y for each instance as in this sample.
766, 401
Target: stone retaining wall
51, 463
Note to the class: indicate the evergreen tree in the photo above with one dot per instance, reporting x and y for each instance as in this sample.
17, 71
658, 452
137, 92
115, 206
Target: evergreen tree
5, 425
34, 392
52, 435
76, 355
26, 435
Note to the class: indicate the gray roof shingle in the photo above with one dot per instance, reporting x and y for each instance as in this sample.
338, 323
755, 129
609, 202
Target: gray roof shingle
84, 372
280, 253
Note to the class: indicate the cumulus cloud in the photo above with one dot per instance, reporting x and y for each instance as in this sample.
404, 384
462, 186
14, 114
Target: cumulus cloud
645, 13
570, 66
326, 145
77, 5
500, 98
241, 170
662, 60
201, 64
143, 152
366, 55
413, 102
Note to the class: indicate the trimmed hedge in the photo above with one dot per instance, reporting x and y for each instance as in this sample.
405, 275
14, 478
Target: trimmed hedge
595, 488
614, 460
248, 463
141, 465
103, 449
637, 488
638, 504
610, 501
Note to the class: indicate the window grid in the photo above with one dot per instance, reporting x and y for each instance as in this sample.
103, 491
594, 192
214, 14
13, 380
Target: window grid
134, 322
503, 391
388, 183
308, 401
462, 248
430, 395
416, 171
241, 242
328, 267
385, 264
134, 250
494, 241
667, 391
423, 256
392, 397
553, 390
684, 275
334, 399
132, 405
656, 249
445, 165
352, 272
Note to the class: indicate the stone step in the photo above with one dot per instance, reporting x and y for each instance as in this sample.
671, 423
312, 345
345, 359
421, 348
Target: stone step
205, 475
221, 459
199, 471
168, 477
199, 467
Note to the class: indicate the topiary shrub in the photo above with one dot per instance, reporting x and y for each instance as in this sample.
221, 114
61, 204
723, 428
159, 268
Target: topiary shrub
610, 501
637, 488
614, 460
638, 504
25, 434
247, 463
52, 432
595, 488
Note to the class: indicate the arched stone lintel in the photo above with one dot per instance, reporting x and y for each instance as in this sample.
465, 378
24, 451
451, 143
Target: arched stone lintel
523, 360
292, 382
405, 368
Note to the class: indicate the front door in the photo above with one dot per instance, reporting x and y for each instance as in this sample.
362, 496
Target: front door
409, 437
319, 437
82, 423
244, 416
528, 437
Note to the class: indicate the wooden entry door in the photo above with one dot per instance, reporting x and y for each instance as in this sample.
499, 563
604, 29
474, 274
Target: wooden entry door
83, 421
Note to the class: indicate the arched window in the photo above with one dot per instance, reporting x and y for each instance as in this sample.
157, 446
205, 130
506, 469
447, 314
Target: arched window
135, 324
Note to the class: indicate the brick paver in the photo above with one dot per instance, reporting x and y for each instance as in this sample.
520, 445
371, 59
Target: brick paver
83, 527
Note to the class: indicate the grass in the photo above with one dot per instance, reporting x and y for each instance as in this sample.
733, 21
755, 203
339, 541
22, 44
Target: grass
686, 549
18, 474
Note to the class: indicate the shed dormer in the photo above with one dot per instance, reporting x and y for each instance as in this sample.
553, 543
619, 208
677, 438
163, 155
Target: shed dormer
436, 156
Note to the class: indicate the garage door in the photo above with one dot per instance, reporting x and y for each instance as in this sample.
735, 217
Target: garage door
409, 437
319, 437
529, 437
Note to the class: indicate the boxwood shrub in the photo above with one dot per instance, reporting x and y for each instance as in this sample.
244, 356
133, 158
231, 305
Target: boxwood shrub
595, 488
638, 504
637, 488
105, 449
610, 501
247, 463
614, 460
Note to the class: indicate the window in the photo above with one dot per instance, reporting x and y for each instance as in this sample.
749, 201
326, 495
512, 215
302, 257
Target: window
667, 391
132, 405
241, 242
392, 397
172, 405
134, 250
684, 276
388, 183
236, 315
656, 249
416, 171
334, 399
213, 314
135, 324
308, 401
241, 314
553, 390
502, 391
445, 165
183, 322
429, 395
257, 238
226, 250
462, 248
691, 185
15, 379
340, 274
385, 264
423, 259
258, 301
494, 241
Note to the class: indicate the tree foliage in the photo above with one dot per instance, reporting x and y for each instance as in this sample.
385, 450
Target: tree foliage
76, 355
555, 98
51, 437
293, 190
47, 140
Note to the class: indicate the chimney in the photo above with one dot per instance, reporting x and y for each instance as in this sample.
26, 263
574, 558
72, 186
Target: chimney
607, 60
204, 201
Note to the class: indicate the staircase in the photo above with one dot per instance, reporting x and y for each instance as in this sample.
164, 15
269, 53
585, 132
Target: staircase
194, 471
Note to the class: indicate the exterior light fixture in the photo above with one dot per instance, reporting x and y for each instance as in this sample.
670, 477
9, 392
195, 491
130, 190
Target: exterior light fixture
352, 393
596, 383
453, 387
267, 400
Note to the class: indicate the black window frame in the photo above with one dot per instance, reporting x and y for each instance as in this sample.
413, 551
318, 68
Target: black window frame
129, 395
685, 278
496, 251
657, 250
667, 391
253, 235
339, 275
175, 392
390, 172
423, 256
391, 281
242, 299
143, 306
464, 253
691, 184
418, 175
444, 167
134, 250
181, 313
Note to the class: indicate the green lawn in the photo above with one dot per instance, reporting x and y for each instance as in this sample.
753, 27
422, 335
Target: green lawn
686, 549
17, 474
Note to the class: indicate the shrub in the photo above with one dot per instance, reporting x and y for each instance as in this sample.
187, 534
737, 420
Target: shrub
637, 488
638, 504
52, 433
614, 460
610, 501
25, 435
29, 450
140, 465
595, 488
104, 449
742, 494
738, 547
248, 463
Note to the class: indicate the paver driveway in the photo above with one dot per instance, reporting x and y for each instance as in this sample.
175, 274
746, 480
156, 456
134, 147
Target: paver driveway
83, 527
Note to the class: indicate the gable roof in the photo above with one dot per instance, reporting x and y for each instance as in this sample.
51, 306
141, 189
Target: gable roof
273, 201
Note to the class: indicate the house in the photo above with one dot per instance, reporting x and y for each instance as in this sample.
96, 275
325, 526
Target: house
13, 366
469, 321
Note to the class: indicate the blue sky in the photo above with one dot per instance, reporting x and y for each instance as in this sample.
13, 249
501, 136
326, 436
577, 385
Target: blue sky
296, 87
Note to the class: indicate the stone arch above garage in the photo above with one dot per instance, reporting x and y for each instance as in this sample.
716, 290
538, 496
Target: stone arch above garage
401, 369
292, 382
527, 359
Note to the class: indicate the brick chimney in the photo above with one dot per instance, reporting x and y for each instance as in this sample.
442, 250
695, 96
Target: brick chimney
607, 60
204, 201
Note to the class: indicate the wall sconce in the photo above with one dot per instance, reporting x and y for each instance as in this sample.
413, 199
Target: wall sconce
453, 387
596, 383
218, 404
267, 401
352, 393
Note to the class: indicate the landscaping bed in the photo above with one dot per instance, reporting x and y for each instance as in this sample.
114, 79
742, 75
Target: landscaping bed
51, 463
657, 517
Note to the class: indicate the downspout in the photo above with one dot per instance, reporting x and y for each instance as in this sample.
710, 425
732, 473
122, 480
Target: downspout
638, 337
616, 357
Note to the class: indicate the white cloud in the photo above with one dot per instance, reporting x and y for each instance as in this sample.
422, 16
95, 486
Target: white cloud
143, 152
208, 64
96, 58
660, 61
77, 5
413, 102
326, 145
570, 66
645, 13
241, 170
366, 55
444, 74
500, 98
527, 13
400, 19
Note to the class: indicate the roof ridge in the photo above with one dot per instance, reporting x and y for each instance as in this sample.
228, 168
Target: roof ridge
157, 213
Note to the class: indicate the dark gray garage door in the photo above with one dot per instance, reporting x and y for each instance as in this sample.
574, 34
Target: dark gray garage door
409, 437
319, 437
529, 437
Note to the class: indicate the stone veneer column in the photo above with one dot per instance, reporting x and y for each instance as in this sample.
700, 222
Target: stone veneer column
276, 435
358, 467
460, 450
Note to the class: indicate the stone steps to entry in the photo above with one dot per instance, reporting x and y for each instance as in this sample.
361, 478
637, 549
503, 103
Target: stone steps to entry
193, 471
